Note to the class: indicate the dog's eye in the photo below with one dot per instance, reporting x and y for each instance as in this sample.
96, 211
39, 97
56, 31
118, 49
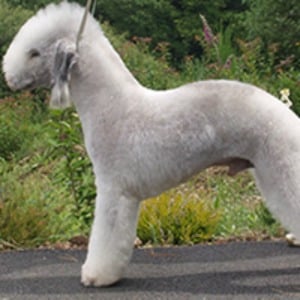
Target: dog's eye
34, 53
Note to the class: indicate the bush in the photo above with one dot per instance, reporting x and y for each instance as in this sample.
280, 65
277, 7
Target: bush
177, 218
276, 23
171, 22
33, 210
23, 225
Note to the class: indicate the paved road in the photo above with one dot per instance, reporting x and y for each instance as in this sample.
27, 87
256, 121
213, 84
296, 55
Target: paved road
264, 270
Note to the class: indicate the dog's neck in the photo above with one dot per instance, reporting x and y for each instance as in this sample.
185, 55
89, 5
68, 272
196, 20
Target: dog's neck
102, 75
102, 88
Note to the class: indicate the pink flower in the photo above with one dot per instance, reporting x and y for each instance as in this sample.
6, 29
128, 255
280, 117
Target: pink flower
208, 34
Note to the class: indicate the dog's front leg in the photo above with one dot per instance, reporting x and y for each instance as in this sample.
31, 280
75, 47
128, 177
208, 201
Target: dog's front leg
111, 240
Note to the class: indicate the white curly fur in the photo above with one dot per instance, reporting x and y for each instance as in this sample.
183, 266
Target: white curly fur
142, 142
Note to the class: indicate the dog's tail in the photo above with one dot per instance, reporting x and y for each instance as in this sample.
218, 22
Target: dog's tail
278, 177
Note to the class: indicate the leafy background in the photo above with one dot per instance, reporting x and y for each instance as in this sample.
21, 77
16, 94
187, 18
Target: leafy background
47, 187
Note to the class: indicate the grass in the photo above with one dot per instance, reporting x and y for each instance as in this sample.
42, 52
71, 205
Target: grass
34, 210
244, 214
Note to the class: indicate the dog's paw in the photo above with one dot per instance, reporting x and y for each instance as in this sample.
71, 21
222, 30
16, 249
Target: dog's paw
91, 276
292, 240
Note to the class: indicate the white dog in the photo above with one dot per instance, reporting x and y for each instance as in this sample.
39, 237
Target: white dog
142, 142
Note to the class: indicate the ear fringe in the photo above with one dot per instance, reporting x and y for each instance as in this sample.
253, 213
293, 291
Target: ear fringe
60, 96
65, 59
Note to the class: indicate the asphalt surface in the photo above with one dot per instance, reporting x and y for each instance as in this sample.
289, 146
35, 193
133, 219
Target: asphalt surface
251, 270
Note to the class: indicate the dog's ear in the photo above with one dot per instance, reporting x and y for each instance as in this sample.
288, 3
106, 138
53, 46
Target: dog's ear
64, 59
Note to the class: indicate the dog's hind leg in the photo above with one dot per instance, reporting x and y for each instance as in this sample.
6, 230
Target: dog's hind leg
112, 239
279, 181
291, 240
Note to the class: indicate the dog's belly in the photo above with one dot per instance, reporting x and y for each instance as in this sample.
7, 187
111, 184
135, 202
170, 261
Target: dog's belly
235, 165
151, 177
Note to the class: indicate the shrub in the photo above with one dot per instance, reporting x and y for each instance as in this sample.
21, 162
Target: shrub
31, 208
275, 22
177, 218
23, 225
174, 22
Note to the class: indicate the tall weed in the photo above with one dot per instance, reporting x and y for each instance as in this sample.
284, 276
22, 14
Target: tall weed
75, 169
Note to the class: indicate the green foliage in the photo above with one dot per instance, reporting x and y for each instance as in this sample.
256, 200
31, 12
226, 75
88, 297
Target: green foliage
177, 218
36, 200
32, 4
11, 20
276, 23
290, 80
11, 138
138, 57
178, 24
32, 210
243, 213
209, 207
23, 216
246, 62
171, 22
14, 134
75, 170
46, 177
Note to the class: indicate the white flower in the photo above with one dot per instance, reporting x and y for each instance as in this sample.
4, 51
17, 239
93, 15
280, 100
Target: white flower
284, 97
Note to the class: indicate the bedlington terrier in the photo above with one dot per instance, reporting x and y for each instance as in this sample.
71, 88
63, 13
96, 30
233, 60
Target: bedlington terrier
142, 142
